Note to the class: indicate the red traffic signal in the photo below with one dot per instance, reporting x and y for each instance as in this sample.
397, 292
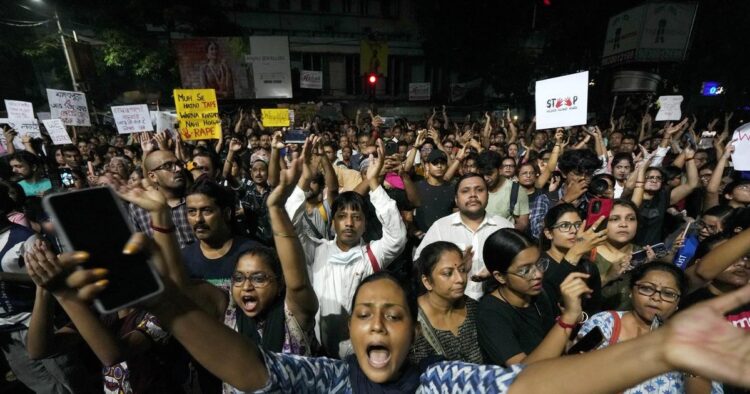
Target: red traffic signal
372, 79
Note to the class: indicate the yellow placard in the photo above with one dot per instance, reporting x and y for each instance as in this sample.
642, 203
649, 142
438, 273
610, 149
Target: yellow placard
198, 113
275, 117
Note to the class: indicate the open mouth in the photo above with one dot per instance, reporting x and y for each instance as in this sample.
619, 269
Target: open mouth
249, 303
378, 355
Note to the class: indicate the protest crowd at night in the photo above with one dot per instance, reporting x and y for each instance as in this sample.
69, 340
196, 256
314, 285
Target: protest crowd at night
230, 237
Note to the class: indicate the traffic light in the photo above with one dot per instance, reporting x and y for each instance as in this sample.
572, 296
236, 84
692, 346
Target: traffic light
372, 79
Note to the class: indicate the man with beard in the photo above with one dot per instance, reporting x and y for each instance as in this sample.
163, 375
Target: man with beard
166, 173
469, 227
28, 168
504, 198
210, 209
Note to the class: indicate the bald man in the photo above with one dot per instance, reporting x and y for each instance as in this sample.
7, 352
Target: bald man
168, 174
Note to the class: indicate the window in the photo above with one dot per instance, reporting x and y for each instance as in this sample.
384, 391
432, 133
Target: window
324, 5
306, 5
354, 80
346, 6
385, 8
364, 7
284, 4
312, 61
264, 4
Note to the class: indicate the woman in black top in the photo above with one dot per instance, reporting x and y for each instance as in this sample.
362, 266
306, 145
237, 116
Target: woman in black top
563, 227
447, 317
517, 319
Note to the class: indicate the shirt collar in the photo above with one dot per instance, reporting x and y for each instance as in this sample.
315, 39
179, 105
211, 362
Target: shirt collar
488, 220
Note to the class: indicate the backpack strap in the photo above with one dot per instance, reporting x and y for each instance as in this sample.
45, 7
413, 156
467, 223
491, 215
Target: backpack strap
429, 333
615, 329
372, 258
513, 196
323, 213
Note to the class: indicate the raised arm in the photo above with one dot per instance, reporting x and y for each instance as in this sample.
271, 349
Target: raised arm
300, 296
684, 190
9, 135
274, 164
713, 189
238, 125
234, 147
412, 154
557, 150
455, 164
393, 241
446, 121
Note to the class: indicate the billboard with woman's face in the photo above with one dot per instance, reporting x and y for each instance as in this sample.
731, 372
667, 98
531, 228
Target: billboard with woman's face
215, 63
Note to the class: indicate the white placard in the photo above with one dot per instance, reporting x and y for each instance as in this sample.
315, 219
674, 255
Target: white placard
741, 142
311, 79
420, 91
272, 76
562, 101
57, 132
669, 108
132, 118
24, 126
164, 120
19, 109
70, 107
43, 115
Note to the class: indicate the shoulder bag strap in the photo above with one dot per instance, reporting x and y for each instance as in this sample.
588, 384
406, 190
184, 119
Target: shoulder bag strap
371, 257
429, 333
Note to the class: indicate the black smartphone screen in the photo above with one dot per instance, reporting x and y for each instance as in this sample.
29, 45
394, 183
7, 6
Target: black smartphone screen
589, 342
93, 220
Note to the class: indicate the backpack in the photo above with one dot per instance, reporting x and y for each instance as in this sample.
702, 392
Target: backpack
513, 196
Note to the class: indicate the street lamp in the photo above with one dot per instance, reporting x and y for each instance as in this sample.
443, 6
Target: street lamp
65, 47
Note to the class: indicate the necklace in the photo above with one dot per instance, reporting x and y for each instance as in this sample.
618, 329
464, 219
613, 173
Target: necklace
515, 308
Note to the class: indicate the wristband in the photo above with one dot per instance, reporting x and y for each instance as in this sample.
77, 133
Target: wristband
163, 230
564, 325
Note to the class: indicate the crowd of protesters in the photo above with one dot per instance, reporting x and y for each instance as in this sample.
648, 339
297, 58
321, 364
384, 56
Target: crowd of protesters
441, 255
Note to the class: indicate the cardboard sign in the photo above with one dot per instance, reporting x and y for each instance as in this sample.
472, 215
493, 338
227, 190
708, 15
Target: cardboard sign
272, 75
19, 109
562, 101
419, 91
198, 113
23, 126
275, 117
669, 108
132, 118
741, 142
311, 79
70, 107
57, 132
164, 120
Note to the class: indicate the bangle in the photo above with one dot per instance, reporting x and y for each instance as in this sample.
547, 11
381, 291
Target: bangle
565, 325
284, 235
163, 230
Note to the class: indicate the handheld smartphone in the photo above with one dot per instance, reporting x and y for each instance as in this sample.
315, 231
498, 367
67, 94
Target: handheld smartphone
638, 258
93, 220
599, 207
295, 136
391, 148
589, 342
707, 139
66, 177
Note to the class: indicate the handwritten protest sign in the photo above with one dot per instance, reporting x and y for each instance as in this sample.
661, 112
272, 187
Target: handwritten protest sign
56, 130
562, 101
198, 113
23, 126
669, 108
275, 117
19, 109
132, 118
70, 107
741, 142
164, 120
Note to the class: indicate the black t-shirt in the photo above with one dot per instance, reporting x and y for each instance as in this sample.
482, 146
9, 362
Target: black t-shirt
505, 331
651, 218
437, 201
557, 272
216, 271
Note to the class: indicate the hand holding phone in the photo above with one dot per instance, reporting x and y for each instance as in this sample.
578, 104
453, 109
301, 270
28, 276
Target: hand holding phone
599, 207
93, 220
589, 342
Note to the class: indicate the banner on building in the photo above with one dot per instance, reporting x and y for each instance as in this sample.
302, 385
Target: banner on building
57, 132
198, 114
269, 58
373, 57
216, 63
669, 108
132, 118
275, 117
19, 109
562, 101
70, 107
311, 79
419, 91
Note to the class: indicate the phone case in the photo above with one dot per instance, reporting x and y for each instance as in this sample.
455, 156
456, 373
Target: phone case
67, 246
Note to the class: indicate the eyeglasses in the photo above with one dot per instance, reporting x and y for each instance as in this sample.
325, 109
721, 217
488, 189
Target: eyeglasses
509, 166
169, 166
258, 279
710, 228
654, 178
744, 186
528, 271
566, 226
665, 294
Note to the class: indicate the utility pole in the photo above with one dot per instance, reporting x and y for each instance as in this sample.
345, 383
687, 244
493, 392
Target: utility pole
65, 50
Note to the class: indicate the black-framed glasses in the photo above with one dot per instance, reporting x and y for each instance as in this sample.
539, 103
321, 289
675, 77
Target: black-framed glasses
528, 271
258, 279
566, 226
667, 295
169, 166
